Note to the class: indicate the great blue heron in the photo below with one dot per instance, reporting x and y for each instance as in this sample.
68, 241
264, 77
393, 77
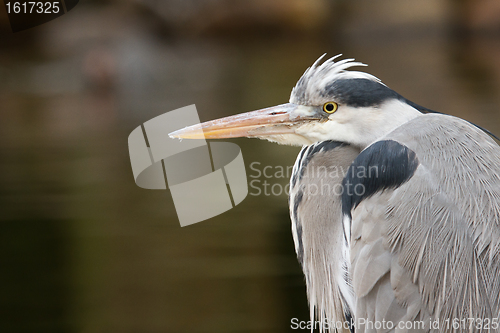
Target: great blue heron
411, 241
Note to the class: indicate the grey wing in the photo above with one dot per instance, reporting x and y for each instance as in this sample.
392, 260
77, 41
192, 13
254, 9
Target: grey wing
424, 249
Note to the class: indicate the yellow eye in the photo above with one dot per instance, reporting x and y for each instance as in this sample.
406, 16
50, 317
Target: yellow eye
330, 107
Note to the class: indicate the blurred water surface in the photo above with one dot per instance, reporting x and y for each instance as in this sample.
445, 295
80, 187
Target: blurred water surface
83, 249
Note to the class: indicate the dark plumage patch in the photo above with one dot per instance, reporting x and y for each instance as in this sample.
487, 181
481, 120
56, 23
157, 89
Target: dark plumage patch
297, 200
300, 250
364, 93
359, 92
298, 225
349, 320
383, 165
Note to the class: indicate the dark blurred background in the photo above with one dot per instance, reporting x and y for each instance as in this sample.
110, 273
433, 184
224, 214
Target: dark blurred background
83, 249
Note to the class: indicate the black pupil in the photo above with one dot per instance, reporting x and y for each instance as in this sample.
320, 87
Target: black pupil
329, 107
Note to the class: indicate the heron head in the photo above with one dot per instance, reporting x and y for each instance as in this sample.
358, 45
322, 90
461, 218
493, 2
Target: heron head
327, 103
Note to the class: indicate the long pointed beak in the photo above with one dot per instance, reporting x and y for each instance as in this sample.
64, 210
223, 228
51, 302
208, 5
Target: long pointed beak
279, 119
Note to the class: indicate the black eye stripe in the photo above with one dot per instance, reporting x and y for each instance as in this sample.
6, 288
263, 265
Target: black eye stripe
359, 92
